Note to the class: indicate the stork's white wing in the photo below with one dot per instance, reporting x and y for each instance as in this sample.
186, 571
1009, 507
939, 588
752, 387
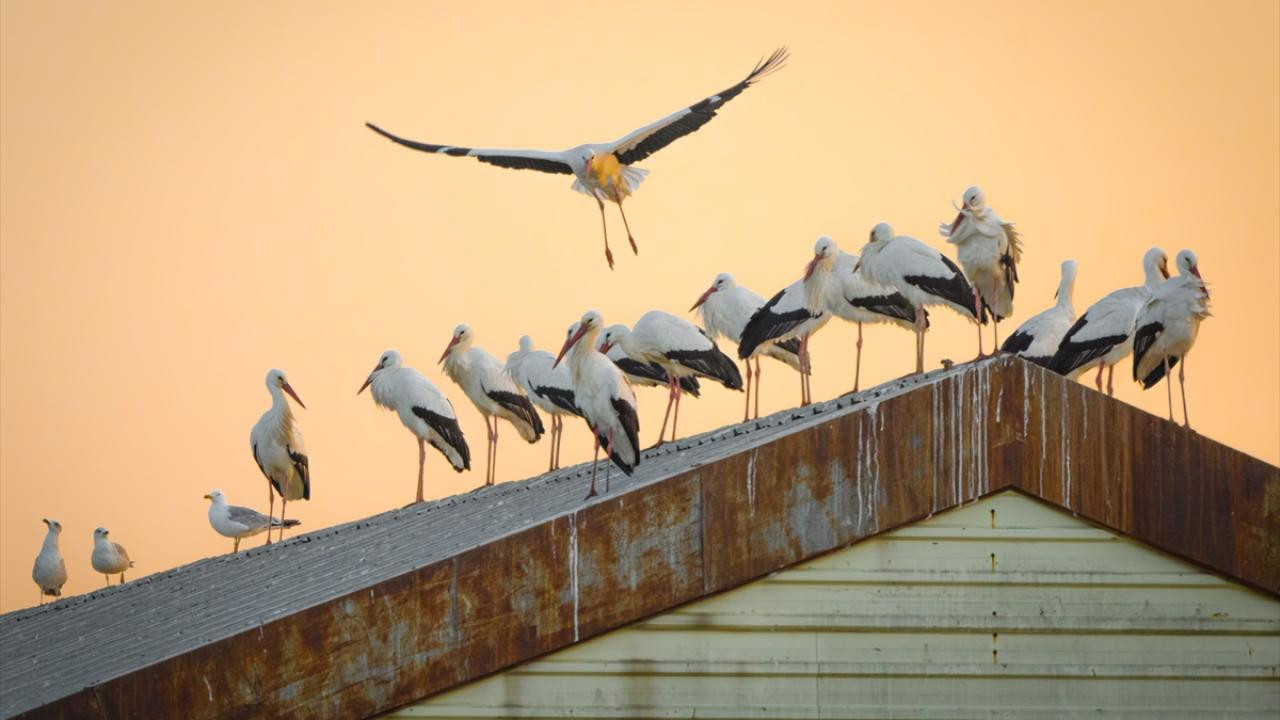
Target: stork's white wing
540, 160
640, 144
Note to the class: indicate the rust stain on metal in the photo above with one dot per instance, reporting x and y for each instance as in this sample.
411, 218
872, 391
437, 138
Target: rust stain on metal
879, 466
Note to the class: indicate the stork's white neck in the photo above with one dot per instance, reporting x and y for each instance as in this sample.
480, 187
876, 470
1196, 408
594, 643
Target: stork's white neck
1154, 277
578, 354
1066, 287
279, 403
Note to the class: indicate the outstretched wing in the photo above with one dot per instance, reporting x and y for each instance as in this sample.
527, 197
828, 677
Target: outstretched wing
651, 138
540, 160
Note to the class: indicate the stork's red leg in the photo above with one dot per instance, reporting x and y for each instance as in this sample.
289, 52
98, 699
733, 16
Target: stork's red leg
608, 254
630, 239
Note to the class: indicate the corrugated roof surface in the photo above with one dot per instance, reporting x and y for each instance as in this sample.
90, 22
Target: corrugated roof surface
49, 652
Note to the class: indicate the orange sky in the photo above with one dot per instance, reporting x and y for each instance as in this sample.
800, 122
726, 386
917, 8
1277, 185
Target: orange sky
188, 198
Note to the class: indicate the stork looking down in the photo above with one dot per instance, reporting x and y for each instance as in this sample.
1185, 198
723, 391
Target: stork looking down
422, 408
923, 275
646, 374
725, 308
278, 448
1166, 328
604, 397
989, 250
606, 171
549, 387
491, 390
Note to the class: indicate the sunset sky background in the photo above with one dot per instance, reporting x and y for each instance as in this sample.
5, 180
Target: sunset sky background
188, 197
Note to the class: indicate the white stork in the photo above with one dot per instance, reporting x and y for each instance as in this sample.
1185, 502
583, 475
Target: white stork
422, 408
1037, 339
923, 275
548, 387
857, 299
1167, 326
1103, 335
644, 374
278, 448
680, 348
604, 397
50, 571
494, 394
606, 171
725, 308
109, 557
989, 250
238, 522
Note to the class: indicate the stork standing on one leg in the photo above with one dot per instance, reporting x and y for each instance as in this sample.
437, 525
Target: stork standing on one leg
549, 387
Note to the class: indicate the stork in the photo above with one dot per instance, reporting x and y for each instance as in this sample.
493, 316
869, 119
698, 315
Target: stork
1166, 328
857, 299
548, 387
604, 397
1103, 335
422, 408
278, 448
606, 171
494, 394
989, 250
923, 275
1037, 339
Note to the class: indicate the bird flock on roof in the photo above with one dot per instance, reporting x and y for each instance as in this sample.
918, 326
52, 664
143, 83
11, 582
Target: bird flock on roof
894, 279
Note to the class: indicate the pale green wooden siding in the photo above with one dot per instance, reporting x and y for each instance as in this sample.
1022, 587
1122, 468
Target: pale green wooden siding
1005, 608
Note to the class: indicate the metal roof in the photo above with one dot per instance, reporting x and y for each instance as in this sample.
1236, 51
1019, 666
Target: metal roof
472, 583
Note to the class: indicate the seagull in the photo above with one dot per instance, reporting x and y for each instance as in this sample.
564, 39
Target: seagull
1166, 328
482, 380
724, 309
604, 397
1037, 339
856, 298
422, 408
238, 522
278, 448
109, 557
50, 572
1103, 335
989, 249
646, 374
548, 387
680, 348
923, 275
606, 171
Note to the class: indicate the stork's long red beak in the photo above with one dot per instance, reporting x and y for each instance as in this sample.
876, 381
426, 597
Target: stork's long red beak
1164, 269
958, 220
367, 381
808, 269
605, 347
447, 349
857, 265
293, 394
703, 298
1195, 270
568, 344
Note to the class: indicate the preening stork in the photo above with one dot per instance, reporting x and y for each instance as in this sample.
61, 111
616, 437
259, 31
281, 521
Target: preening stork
50, 571
725, 308
548, 386
237, 522
109, 557
278, 448
1037, 339
645, 374
680, 348
1166, 328
989, 250
923, 275
604, 397
606, 171
422, 408
494, 394
856, 298
1103, 335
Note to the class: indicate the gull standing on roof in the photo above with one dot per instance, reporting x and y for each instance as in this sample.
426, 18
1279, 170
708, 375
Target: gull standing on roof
856, 298
1166, 328
989, 250
923, 275
548, 386
604, 397
1103, 335
278, 448
725, 308
494, 394
50, 572
797, 311
1037, 339
109, 557
238, 522
680, 348
422, 408
606, 171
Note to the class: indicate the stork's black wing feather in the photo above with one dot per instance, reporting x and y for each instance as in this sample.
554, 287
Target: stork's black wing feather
449, 429
517, 162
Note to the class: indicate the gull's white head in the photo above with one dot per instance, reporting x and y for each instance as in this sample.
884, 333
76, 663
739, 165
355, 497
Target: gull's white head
55, 527
277, 380
461, 341
389, 360
216, 496
723, 281
100, 534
